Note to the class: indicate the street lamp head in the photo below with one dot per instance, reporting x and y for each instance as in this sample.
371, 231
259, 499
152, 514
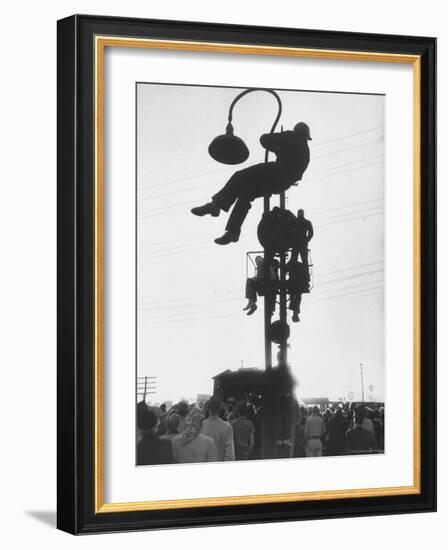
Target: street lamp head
228, 148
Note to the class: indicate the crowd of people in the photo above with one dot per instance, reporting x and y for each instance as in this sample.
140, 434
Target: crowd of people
339, 430
218, 431
188, 433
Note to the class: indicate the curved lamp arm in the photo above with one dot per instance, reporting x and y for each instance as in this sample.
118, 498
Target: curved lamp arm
250, 90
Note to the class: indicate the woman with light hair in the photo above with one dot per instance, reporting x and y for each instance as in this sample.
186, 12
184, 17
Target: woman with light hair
192, 445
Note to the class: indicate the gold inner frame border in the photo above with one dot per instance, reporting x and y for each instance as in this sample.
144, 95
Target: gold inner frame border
100, 44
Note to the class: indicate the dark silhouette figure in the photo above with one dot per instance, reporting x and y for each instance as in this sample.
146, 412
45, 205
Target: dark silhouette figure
151, 449
264, 179
358, 438
304, 234
336, 428
378, 422
298, 279
243, 434
255, 285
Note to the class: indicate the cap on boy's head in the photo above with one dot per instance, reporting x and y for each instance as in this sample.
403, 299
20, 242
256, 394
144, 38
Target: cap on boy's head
303, 130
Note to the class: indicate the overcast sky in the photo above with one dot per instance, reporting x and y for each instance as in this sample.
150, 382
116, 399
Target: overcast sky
191, 291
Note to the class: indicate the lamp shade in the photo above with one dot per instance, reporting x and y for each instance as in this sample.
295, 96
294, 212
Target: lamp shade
228, 148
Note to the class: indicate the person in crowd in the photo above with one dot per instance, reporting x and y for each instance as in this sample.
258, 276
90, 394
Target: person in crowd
219, 430
192, 445
365, 413
367, 422
141, 406
314, 433
151, 449
264, 179
172, 425
256, 421
162, 420
253, 284
228, 411
328, 415
182, 411
243, 434
358, 438
336, 428
378, 422
299, 450
251, 411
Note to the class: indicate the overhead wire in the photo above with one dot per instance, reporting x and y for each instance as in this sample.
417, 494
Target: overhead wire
202, 185
162, 209
153, 304
175, 250
318, 144
312, 215
204, 238
209, 318
219, 300
334, 281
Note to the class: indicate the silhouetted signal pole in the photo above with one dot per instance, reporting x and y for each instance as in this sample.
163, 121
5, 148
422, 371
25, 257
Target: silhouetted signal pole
277, 386
268, 297
283, 360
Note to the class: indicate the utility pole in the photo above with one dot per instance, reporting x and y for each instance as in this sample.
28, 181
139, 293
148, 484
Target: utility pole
362, 380
236, 154
146, 385
283, 296
276, 421
267, 297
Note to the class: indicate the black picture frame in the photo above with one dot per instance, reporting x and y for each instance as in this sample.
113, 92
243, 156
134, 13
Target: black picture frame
76, 286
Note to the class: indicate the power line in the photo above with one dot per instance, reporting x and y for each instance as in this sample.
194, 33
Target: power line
344, 172
204, 238
260, 160
234, 291
238, 297
162, 209
348, 149
352, 219
349, 213
348, 277
345, 294
197, 305
313, 213
346, 164
319, 292
352, 267
205, 244
208, 184
209, 318
176, 252
319, 144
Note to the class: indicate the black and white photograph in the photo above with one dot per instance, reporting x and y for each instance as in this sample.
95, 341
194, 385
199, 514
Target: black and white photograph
246, 274
259, 274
